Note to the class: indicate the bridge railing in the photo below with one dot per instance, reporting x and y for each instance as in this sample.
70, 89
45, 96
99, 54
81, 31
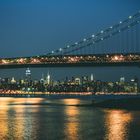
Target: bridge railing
72, 59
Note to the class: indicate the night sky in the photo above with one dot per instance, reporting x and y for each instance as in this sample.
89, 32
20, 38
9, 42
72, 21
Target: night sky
34, 27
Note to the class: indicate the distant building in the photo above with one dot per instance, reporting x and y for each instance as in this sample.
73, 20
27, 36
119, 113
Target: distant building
13, 81
77, 81
5, 80
42, 80
122, 80
28, 81
91, 77
48, 79
28, 74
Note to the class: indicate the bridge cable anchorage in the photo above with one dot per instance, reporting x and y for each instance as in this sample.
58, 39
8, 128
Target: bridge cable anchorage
122, 26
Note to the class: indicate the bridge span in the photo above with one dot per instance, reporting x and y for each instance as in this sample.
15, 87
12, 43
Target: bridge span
99, 60
117, 45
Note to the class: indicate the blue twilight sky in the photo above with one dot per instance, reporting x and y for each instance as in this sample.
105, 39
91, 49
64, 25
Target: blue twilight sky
33, 27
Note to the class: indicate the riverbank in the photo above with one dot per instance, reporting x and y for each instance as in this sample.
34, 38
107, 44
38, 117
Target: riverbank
127, 103
116, 101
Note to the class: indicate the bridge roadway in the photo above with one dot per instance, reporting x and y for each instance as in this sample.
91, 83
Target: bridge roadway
72, 61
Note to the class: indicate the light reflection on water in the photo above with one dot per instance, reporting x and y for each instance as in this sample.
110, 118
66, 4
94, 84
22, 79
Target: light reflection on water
72, 125
26, 118
117, 122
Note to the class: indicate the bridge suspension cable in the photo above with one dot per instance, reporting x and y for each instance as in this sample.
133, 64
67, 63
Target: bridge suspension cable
123, 27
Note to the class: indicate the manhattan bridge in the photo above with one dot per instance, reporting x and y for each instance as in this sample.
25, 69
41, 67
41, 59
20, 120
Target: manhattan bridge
117, 45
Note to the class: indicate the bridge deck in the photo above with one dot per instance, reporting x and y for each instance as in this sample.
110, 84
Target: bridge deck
72, 61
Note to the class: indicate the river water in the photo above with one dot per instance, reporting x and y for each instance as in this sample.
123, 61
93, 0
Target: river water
42, 119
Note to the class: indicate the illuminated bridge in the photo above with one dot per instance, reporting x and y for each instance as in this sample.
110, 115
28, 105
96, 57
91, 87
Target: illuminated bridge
117, 45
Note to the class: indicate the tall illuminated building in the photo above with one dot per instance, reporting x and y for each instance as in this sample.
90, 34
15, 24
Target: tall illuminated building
48, 78
28, 74
28, 77
91, 77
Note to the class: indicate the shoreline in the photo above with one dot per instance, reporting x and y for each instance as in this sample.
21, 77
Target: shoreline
127, 103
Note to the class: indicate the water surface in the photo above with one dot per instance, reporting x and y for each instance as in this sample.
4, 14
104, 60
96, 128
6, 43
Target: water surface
42, 119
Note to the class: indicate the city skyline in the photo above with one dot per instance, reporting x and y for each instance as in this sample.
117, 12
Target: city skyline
69, 69
85, 84
49, 74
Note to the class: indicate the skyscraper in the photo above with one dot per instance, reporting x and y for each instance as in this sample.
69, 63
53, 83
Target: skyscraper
28, 76
48, 78
91, 77
28, 73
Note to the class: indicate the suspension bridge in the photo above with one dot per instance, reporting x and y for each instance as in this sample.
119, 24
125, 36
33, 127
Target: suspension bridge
117, 45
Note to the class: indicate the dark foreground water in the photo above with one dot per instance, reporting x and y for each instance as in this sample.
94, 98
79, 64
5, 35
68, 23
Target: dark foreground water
29, 119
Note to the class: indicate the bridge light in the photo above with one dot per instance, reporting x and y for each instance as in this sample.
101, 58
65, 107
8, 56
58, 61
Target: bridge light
60, 49
119, 31
120, 22
111, 27
130, 17
52, 51
76, 43
102, 31
93, 36
102, 38
21, 60
4, 61
116, 57
84, 39
68, 46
